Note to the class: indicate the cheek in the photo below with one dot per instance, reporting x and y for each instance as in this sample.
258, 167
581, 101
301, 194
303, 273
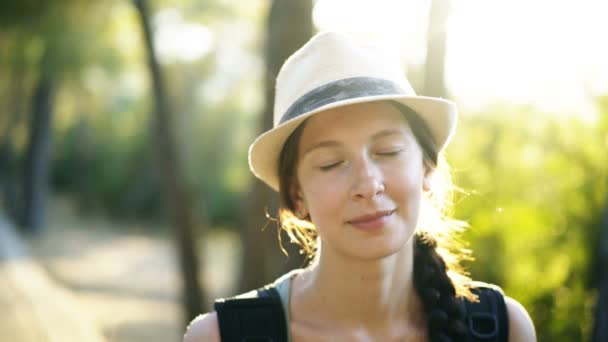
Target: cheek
407, 173
404, 184
324, 198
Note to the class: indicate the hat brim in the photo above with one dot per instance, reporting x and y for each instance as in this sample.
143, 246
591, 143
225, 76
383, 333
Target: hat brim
439, 114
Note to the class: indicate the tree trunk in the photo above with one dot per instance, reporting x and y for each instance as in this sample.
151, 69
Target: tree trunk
434, 84
14, 97
289, 26
36, 173
176, 195
10, 181
600, 329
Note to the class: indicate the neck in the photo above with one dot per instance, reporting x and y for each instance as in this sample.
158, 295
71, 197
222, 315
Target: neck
378, 292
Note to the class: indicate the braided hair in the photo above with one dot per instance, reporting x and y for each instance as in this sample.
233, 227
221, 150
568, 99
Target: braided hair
445, 319
439, 280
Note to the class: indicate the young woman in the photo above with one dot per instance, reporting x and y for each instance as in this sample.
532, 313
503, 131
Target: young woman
356, 157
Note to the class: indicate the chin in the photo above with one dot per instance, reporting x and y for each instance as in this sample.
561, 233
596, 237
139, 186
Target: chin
383, 249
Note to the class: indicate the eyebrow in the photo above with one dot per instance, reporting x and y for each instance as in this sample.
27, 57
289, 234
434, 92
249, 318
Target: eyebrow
386, 132
333, 143
326, 143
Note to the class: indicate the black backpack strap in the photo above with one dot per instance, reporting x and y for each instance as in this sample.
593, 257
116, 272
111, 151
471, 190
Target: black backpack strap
257, 319
487, 319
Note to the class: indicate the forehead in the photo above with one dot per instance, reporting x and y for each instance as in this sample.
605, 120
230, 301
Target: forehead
353, 121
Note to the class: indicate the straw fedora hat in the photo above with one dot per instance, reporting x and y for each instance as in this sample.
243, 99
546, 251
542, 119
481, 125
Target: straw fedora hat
333, 70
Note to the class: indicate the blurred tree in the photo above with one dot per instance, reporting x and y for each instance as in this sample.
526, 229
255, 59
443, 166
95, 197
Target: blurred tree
434, 83
600, 259
35, 179
600, 328
288, 27
177, 196
38, 151
54, 44
15, 93
37, 155
9, 190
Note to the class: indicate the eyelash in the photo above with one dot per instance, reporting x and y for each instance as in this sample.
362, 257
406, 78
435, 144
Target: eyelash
389, 153
330, 166
382, 154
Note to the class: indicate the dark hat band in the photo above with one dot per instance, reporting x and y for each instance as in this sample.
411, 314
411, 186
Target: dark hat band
344, 89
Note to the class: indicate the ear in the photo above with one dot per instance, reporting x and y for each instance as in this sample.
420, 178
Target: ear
295, 192
427, 178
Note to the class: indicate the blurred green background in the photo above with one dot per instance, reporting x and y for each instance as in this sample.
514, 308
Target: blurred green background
79, 129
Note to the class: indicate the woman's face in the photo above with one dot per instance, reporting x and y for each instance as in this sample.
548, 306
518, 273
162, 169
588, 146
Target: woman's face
360, 177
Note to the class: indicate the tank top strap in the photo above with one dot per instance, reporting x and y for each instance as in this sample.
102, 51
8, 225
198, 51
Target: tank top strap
283, 287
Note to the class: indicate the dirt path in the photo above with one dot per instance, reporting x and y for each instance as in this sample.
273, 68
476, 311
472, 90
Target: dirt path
35, 307
126, 278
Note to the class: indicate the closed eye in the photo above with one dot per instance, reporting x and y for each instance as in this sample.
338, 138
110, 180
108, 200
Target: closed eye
389, 153
328, 167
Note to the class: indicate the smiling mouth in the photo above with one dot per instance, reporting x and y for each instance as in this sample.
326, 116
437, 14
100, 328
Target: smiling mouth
374, 220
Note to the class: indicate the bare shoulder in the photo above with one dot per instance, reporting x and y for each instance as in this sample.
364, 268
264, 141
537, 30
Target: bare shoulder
203, 328
521, 327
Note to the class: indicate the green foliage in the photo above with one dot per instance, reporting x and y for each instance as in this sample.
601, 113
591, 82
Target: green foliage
537, 186
107, 171
64, 32
108, 162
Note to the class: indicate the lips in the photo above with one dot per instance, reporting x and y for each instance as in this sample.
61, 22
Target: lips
371, 221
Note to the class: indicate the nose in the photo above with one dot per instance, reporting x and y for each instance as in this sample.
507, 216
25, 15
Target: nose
368, 181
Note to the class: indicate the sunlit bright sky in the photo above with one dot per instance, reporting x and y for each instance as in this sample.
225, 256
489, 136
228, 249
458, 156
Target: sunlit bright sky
551, 54
180, 40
